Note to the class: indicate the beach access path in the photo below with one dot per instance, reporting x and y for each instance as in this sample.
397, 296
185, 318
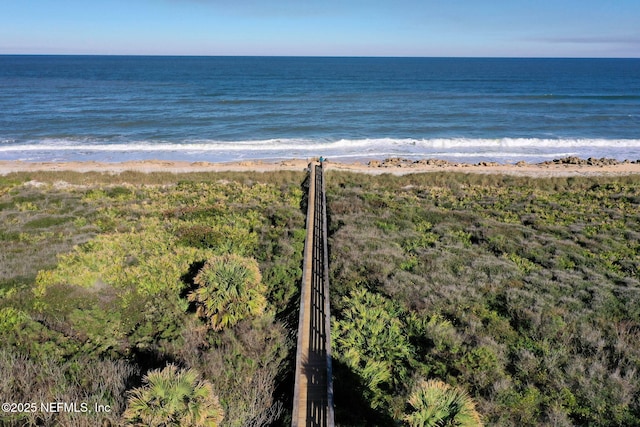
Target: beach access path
313, 391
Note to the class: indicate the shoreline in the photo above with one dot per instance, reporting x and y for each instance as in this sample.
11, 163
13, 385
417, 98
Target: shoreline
570, 166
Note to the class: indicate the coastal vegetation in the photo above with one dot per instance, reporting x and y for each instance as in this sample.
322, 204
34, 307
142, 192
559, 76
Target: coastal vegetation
164, 298
456, 299
171, 397
521, 294
434, 403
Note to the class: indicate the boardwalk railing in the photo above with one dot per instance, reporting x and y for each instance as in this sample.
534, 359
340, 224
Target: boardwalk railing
313, 392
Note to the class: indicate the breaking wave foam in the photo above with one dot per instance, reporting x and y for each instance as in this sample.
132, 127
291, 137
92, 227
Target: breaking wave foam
215, 150
311, 145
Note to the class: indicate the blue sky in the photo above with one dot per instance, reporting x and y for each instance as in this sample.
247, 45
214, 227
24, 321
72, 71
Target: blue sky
550, 28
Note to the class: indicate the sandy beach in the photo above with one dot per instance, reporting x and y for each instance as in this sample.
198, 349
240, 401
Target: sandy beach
396, 166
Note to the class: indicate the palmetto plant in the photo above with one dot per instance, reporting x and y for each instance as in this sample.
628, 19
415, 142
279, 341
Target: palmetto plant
436, 404
370, 340
229, 289
173, 397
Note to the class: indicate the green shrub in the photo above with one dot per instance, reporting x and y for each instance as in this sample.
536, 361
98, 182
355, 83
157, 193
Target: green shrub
173, 397
11, 318
436, 404
369, 338
147, 261
229, 289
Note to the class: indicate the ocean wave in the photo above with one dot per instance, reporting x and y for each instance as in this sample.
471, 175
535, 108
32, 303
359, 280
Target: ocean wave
459, 149
315, 145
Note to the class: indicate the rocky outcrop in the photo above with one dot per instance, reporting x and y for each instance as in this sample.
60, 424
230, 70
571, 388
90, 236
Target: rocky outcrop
399, 162
591, 161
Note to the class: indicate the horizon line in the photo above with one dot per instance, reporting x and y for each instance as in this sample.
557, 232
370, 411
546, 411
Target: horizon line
150, 55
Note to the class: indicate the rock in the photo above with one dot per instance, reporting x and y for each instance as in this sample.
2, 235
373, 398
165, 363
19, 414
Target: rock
396, 162
573, 160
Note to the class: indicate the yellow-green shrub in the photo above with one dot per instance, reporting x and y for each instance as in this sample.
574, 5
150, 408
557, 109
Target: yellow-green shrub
148, 261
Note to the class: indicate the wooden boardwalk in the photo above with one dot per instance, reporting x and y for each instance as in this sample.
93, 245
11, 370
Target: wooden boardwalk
313, 393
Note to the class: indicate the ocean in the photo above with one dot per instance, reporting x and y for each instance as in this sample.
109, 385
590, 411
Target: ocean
218, 109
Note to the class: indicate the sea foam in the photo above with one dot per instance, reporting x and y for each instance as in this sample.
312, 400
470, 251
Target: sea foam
462, 149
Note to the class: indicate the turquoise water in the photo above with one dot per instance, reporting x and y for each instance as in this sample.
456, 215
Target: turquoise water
56, 108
